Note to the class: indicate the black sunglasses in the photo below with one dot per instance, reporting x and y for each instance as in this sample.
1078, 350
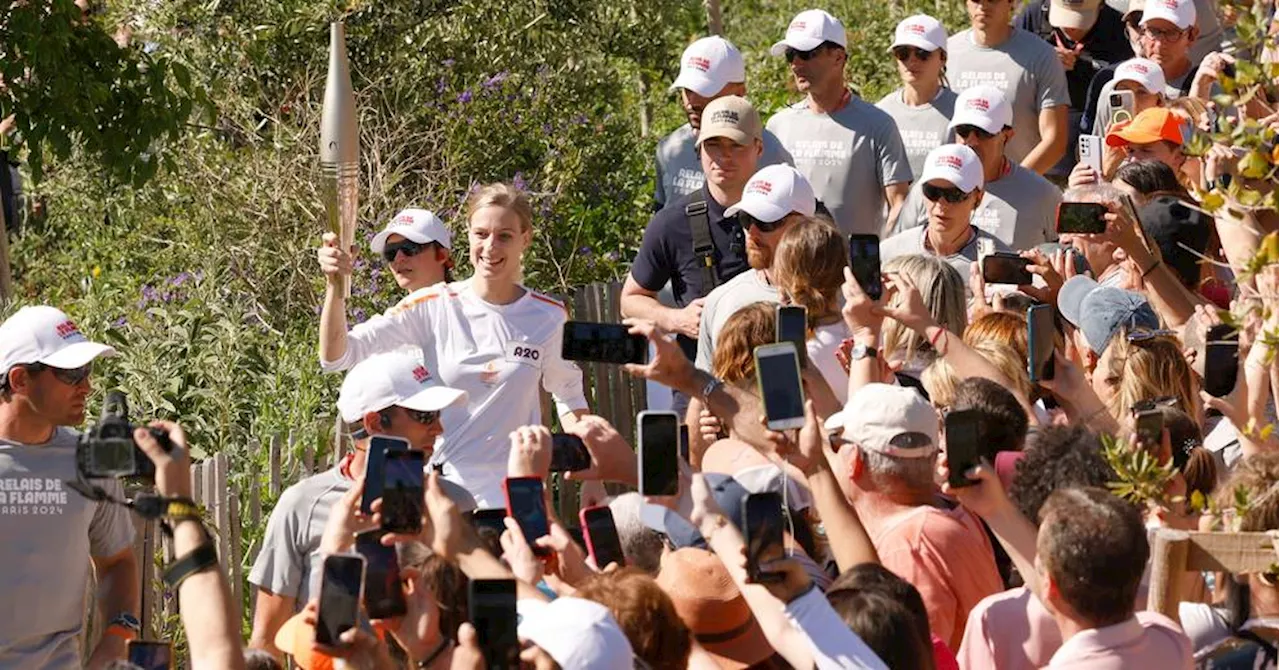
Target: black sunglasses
936, 193
746, 221
903, 53
409, 247
422, 416
793, 54
1153, 403
68, 376
965, 130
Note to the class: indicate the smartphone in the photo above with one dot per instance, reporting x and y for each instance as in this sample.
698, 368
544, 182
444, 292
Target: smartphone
1122, 105
659, 440
1091, 153
526, 504
1149, 426
568, 453
602, 343
778, 376
492, 519
341, 585
1006, 267
1040, 337
150, 654
762, 529
684, 442
491, 607
963, 434
601, 536
1081, 217
383, 597
402, 491
864, 261
1221, 360
374, 468
792, 325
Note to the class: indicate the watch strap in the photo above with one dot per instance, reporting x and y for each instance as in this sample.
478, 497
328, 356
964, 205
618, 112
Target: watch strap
181, 508
711, 385
199, 559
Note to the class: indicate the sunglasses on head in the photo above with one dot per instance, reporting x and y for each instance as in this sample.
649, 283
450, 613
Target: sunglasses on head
936, 193
964, 131
68, 376
409, 247
422, 416
746, 221
1153, 403
903, 53
793, 54
1148, 335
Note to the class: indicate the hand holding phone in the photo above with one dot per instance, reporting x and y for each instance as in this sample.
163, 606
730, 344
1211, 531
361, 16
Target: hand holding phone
601, 536
602, 343
1006, 267
375, 468
778, 378
569, 453
402, 491
1091, 153
763, 527
963, 430
1081, 217
528, 506
341, 588
659, 440
864, 261
1149, 427
1221, 360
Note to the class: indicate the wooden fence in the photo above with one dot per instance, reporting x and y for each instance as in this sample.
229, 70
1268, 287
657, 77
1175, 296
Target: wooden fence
611, 394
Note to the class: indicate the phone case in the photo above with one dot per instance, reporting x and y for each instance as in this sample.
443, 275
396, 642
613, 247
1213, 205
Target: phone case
506, 486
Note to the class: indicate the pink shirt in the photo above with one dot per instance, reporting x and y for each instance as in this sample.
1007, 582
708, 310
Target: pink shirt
1010, 630
1147, 640
946, 555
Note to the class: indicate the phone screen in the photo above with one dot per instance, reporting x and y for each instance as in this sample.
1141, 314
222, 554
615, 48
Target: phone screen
491, 519
659, 447
339, 597
601, 534
778, 373
402, 491
964, 434
864, 261
375, 463
1221, 364
491, 605
527, 506
1005, 268
602, 343
150, 655
1040, 335
568, 453
1081, 217
792, 326
764, 525
1149, 426
684, 442
383, 597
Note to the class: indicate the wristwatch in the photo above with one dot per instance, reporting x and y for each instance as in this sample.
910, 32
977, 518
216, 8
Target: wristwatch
124, 625
861, 351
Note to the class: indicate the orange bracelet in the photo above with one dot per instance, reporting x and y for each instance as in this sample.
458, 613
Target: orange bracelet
933, 341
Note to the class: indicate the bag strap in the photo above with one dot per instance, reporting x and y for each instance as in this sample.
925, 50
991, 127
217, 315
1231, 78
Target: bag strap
704, 247
1268, 649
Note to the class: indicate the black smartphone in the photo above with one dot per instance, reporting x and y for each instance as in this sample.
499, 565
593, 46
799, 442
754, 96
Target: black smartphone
383, 597
1081, 217
491, 607
763, 526
792, 325
1040, 338
341, 584
659, 440
1149, 426
601, 536
402, 491
526, 504
375, 467
684, 442
568, 453
491, 519
864, 261
778, 379
602, 343
1221, 360
964, 434
1004, 267
150, 654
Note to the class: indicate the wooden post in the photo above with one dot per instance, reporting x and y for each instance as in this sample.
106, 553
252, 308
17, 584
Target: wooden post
273, 465
715, 20
6, 277
1168, 561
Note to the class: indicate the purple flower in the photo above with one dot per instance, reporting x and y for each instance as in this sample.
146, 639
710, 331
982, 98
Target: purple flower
358, 315
464, 97
585, 251
580, 119
440, 85
180, 279
120, 323
316, 310
199, 275
448, 62
518, 181
496, 80
612, 255
546, 128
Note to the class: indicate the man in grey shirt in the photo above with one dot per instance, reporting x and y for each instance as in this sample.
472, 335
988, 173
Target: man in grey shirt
388, 394
849, 150
50, 530
1019, 206
710, 68
992, 52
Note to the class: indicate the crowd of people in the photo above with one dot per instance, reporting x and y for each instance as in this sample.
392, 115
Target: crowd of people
1026, 558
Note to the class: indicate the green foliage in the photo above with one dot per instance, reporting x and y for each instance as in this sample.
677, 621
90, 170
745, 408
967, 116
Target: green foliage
1140, 478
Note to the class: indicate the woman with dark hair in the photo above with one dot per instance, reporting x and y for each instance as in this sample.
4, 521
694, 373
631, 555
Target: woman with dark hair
1144, 180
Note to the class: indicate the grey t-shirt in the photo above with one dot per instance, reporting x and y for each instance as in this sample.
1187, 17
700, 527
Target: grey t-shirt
289, 560
914, 242
722, 302
1020, 209
49, 533
1025, 67
849, 157
680, 171
922, 127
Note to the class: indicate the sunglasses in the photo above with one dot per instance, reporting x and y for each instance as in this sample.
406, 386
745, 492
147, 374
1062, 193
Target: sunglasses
936, 193
68, 376
964, 131
793, 54
1148, 335
746, 221
904, 53
409, 247
421, 416
1161, 34
1153, 403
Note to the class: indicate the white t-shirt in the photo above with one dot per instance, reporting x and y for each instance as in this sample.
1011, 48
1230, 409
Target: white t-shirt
822, 349
680, 171
922, 127
745, 288
496, 353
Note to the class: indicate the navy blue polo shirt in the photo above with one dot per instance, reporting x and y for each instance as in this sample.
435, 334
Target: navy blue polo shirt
666, 253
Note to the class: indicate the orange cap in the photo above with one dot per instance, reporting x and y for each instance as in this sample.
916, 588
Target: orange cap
296, 638
1151, 125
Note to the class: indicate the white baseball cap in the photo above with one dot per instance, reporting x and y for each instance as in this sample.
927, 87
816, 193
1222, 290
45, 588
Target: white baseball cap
708, 65
417, 225
1080, 14
954, 163
774, 192
809, 30
43, 334
983, 106
1146, 72
1181, 13
891, 420
579, 634
391, 379
921, 31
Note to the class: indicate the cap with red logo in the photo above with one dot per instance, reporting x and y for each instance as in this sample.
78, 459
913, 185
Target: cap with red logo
921, 31
1181, 13
417, 225
955, 164
809, 30
43, 334
983, 106
708, 65
774, 192
391, 379
1145, 72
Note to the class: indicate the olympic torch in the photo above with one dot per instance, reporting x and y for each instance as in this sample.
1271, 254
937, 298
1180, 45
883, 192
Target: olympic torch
339, 145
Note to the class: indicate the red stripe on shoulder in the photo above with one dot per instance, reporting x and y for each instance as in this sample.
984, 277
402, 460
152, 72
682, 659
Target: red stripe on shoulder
413, 300
550, 301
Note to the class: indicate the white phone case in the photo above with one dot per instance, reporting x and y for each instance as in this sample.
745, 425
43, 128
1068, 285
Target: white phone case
1091, 152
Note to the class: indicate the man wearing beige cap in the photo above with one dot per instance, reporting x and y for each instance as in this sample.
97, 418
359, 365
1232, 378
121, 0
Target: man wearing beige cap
710, 68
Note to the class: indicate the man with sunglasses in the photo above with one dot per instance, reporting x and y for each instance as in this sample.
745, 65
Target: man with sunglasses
48, 529
388, 394
415, 245
848, 148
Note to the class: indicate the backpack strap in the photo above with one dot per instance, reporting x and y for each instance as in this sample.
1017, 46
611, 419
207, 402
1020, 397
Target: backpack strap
704, 247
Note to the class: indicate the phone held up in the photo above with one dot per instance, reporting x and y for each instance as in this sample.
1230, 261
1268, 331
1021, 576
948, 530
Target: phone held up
778, 377
763, 527
528, 506
963, 430
375, 468
1040, 342
601, 536
658, 436
491, 607
341, 589
1006, 267
402, 491
864, 262
792, 325
602, 343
